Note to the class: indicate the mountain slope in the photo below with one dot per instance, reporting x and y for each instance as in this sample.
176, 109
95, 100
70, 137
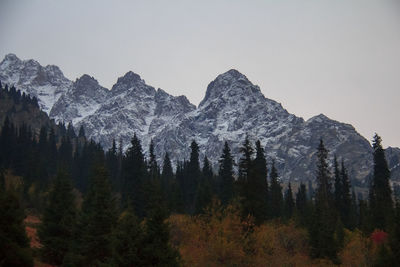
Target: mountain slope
232, 108
47, 83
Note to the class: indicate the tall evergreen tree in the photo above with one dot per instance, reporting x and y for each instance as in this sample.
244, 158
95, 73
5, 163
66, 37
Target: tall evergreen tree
156, 248
192, 178
56, 230
345, 210
302, 209
244, 179
153, 168
288, 203
225, 175
97, 222
338, 185
322, 230
205, 192
380, 193
14, 244
275, 194
127, 241
134, 173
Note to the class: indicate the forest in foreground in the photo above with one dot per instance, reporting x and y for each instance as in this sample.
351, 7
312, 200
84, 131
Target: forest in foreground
90, 207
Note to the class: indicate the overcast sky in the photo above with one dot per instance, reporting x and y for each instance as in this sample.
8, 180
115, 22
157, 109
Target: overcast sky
340, 58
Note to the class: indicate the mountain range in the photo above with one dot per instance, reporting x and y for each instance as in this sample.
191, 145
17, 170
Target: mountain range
232, 109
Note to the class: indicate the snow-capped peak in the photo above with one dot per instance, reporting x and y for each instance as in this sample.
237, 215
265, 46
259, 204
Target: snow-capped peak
231, 84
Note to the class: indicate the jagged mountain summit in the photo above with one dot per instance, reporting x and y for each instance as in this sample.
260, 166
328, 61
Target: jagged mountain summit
47, 83
232, 109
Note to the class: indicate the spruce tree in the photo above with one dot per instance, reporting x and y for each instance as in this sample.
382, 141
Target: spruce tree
225, 175
56, 230
323, 228
258, 185
156, 250
245, 176
302, 213
205, 192
192, 178
380, 193
288, 203
338, 186
97, 221
345, 210
127, 241
14, 244
134, 177
275, 194
154, 171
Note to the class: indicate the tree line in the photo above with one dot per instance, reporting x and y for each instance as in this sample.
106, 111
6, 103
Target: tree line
109, 208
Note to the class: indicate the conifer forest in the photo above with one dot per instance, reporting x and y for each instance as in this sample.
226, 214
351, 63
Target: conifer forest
65, 201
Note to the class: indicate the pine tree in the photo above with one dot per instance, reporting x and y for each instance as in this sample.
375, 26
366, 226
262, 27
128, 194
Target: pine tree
82, 132
127, 241
275, 194
338, 186
258, 185
205, 193
346, 199
70, 131
225, 175
156, 248
153, 168
134, 173
380, 193
302, 210
288, 203
245, 176
56, 230
97, 221
14, 244
192, 178
323, 228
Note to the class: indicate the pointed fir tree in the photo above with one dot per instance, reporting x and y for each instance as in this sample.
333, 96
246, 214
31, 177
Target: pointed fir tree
134, 177
380, 193
245, 177
302, 210
192, 178
153, 168
323, 227
97, 222
288, 203
14, 244
338, 185
56, 231
71, 131
205, 193
127, 241
225, 176
258, 186
345, 210
275, 194
81, 133
156, 250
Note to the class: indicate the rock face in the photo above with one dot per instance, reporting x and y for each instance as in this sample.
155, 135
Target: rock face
47, 84
232, 108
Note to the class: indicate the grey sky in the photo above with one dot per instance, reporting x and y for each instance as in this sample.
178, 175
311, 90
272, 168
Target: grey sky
340, 58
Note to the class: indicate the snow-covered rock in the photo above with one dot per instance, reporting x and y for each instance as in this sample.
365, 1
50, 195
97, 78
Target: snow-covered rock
232, 109
47, 83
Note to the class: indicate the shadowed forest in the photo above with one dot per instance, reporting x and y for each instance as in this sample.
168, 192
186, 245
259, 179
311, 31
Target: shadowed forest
83, 206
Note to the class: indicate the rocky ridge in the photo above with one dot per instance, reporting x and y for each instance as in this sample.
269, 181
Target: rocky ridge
232, 108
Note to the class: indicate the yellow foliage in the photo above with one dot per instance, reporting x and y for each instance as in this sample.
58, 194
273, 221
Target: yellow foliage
356, 250
221, 237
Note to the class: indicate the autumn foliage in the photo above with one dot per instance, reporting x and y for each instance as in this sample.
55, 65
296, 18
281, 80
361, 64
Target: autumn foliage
221, 237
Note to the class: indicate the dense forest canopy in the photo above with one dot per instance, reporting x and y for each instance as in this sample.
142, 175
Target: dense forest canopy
117, 208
